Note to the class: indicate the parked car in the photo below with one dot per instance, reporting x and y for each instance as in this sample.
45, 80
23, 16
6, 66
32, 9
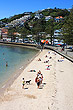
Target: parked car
70, 47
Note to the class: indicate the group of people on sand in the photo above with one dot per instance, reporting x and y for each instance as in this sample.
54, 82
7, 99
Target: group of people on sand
39, 79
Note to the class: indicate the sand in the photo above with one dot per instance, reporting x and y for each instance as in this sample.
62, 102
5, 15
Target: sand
56, 92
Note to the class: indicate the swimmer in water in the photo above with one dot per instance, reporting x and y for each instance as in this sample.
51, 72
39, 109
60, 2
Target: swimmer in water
6, 64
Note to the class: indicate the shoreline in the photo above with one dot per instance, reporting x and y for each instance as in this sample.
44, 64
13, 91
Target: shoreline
20, 45
15, 75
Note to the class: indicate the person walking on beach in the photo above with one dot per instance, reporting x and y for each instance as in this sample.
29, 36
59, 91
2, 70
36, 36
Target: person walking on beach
23, 83
39, 79
38, 82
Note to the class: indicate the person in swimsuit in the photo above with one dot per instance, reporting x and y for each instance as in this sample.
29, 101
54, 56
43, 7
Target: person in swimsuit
6, 63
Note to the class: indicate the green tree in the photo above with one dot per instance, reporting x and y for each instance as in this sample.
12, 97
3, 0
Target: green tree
38, 26
67, 29
50, 29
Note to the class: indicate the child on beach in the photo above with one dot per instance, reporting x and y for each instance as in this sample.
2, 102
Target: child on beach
23, 83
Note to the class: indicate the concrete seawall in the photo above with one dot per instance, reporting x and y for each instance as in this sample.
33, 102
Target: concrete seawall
22, 44
35, 46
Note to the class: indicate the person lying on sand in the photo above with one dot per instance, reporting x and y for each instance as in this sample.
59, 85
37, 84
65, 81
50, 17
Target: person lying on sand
62, 57
46, 56
50, 57
32, 71
60, 60
48, 65
48, 68
46, 61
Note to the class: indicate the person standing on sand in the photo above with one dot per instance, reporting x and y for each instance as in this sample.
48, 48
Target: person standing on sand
23, 83
38, 82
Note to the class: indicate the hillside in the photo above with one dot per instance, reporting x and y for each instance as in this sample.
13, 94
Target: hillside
47, 21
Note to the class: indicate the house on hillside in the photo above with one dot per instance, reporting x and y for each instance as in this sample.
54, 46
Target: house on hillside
38, 16
27, 13
9, 25
59, 18
58, 34
48, 18
17, 34
25, 17
19, 22
29, 37
4, 33
2, 24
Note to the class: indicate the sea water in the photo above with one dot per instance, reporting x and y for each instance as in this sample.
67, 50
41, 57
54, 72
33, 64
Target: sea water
15, 57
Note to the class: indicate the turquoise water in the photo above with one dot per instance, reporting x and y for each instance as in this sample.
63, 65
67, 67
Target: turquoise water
16, 57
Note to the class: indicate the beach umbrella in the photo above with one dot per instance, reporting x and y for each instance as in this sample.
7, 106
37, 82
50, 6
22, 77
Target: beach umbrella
43, 41
47, 42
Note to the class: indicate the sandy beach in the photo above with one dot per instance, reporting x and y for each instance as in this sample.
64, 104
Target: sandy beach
55, 93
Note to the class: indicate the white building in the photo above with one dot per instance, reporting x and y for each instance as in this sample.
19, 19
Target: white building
48, 17
58, 34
